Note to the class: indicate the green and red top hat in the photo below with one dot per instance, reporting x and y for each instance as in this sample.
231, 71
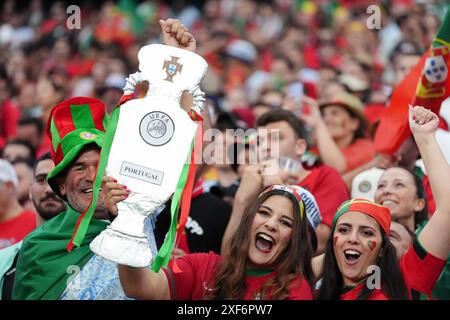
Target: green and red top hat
73, 124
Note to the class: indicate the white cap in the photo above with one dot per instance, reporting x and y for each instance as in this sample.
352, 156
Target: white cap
242, 50
115, 80
7, 173
353, 83
364, 185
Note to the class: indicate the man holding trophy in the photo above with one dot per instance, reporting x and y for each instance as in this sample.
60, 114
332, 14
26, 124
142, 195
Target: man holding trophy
57, 263
151, 154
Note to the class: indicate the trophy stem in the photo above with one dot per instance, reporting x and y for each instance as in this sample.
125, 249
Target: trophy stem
124, 241
122, 248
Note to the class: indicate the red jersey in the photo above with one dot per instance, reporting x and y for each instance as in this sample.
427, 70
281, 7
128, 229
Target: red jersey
14, 230
196, 277
328, 188
9, 116
420, 270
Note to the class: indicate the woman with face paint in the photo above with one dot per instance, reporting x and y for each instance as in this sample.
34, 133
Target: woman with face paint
269, 257
360, 250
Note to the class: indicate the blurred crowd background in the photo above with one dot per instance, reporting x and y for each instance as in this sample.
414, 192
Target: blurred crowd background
262, 55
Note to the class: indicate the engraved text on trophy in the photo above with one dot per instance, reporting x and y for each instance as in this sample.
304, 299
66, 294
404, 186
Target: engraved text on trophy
133, 170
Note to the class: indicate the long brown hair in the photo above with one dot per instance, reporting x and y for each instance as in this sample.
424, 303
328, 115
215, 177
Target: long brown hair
294, 262
392, 282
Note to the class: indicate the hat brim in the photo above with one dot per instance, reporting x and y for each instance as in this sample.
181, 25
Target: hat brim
358, 113
68, 158
103, 89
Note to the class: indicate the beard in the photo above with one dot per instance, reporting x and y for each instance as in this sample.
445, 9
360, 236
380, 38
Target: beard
48, 211
81, 204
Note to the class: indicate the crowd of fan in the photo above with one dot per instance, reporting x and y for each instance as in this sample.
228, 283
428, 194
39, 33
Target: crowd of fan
314, 70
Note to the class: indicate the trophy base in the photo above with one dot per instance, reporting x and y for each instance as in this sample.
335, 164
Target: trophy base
122, 248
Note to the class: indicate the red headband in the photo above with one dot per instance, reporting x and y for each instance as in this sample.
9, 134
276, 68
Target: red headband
381, 214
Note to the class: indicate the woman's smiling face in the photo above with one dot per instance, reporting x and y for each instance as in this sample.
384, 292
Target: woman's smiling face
397, 191
357, 242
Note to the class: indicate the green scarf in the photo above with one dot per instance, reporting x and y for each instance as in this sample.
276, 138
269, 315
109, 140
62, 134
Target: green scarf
44, 265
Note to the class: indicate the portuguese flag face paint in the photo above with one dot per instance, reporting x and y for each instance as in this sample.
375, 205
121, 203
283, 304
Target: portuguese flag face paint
372, 244
335, 239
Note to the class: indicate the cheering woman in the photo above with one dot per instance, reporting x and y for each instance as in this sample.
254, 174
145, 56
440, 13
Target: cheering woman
360, 241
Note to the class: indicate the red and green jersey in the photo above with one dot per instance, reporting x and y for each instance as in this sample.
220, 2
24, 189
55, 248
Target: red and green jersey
196, 274
420, 270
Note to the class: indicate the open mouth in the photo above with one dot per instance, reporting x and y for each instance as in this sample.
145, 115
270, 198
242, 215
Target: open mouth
352, 256
264, 242
89, 190
388, 202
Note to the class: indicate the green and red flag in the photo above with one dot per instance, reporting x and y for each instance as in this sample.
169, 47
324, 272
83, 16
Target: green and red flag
428, 84
135, 22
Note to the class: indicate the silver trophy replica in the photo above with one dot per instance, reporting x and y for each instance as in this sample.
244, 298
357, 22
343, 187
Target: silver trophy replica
150, 146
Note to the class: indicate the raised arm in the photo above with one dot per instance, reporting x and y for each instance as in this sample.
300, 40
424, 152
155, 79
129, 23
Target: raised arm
144, 284
435, 237
254, 179
251, 184
329, 151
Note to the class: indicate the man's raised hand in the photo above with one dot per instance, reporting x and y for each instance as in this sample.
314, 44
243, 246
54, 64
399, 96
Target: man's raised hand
176, 34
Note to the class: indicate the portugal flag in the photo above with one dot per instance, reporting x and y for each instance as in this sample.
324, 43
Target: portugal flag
427, 85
